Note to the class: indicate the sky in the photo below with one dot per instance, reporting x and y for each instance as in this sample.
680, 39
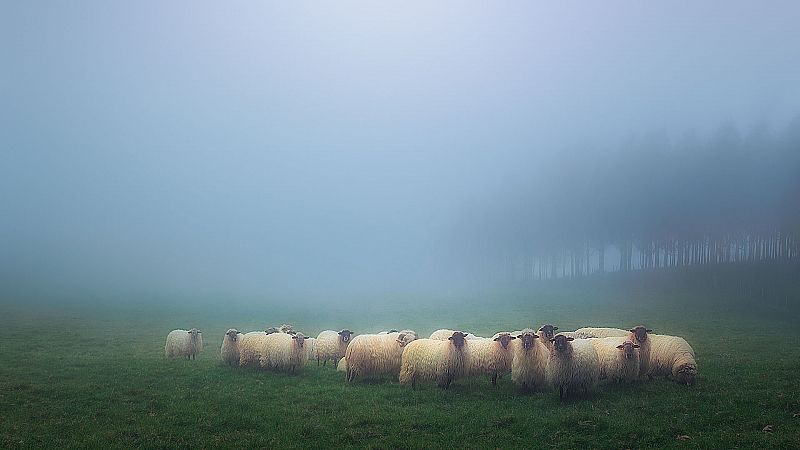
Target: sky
268, 150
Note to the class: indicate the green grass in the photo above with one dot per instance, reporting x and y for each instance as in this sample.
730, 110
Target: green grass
96, 377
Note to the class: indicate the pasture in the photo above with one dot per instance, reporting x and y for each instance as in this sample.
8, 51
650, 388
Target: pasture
81, 376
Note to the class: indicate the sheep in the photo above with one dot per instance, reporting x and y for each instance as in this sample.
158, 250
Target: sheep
445, 334
546, 332
573, 365
251, 348
184, 343
528, 368
342, 365
638, 335
431, 359
590, 332
387, 332
284, 352
230, 347
490, 356
331, 345
373, 355
619, 359
673, 357
310, 345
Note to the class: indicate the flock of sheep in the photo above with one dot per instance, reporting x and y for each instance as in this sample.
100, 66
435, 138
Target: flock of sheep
568, 362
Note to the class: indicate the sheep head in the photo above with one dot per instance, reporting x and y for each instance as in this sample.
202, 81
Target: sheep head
640, 333
561, 343
458, 339
300, 339
504, 339
686, 374
232, 334
526, 337
548, 331
344, 335
627, 348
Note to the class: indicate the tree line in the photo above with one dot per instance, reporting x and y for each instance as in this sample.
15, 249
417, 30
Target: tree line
651, 203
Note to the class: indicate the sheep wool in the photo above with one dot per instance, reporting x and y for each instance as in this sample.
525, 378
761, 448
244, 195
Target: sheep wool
229, 352
673, 357
490, 356
332, 345
437, 360
311, 348
251, 348
591, 332
182, 343
284, 352
444, 334
341, 366
528, 368
573, 366
374, 355
618, 357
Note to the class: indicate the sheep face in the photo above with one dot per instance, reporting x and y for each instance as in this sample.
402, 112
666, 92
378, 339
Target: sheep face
194, 332
641, 333
686, 374
527, 338
549, 331
562, 344
233, 334
627, 348
504, 339
458, 339
344, 335
300, 339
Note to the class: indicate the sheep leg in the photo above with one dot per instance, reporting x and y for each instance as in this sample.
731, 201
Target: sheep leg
561, 392
494, 380
324, 362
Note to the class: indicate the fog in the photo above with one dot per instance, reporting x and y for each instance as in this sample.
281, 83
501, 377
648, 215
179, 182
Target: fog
266, 151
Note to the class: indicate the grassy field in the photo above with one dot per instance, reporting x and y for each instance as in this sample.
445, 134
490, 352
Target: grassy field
75, 376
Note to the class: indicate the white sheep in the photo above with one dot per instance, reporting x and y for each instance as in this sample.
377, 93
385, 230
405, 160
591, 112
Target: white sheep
341, 366
374, 355
528, 368
284, 352
595, 332
332, 345
251, 348
573, 366
673, 357
619, 358
445, 334
490, 356
443, 361
229, 352
184, 343
311, 348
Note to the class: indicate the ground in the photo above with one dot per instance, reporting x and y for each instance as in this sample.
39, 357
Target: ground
81, 376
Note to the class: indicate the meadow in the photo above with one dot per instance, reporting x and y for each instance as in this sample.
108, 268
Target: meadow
88, 376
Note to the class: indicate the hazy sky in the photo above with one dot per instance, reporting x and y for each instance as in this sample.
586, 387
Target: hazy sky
258, 149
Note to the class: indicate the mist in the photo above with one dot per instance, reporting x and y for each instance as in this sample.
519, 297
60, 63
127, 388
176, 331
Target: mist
359, 150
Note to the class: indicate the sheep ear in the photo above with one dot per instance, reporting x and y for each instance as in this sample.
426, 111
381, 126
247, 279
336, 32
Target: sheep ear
649, 331
570, 338
519, 336
620, 346
552, 339
294, 337
535, 336
541, 329
632, 330
496, 339
450, 338
555, 328
512, 337
636, 345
